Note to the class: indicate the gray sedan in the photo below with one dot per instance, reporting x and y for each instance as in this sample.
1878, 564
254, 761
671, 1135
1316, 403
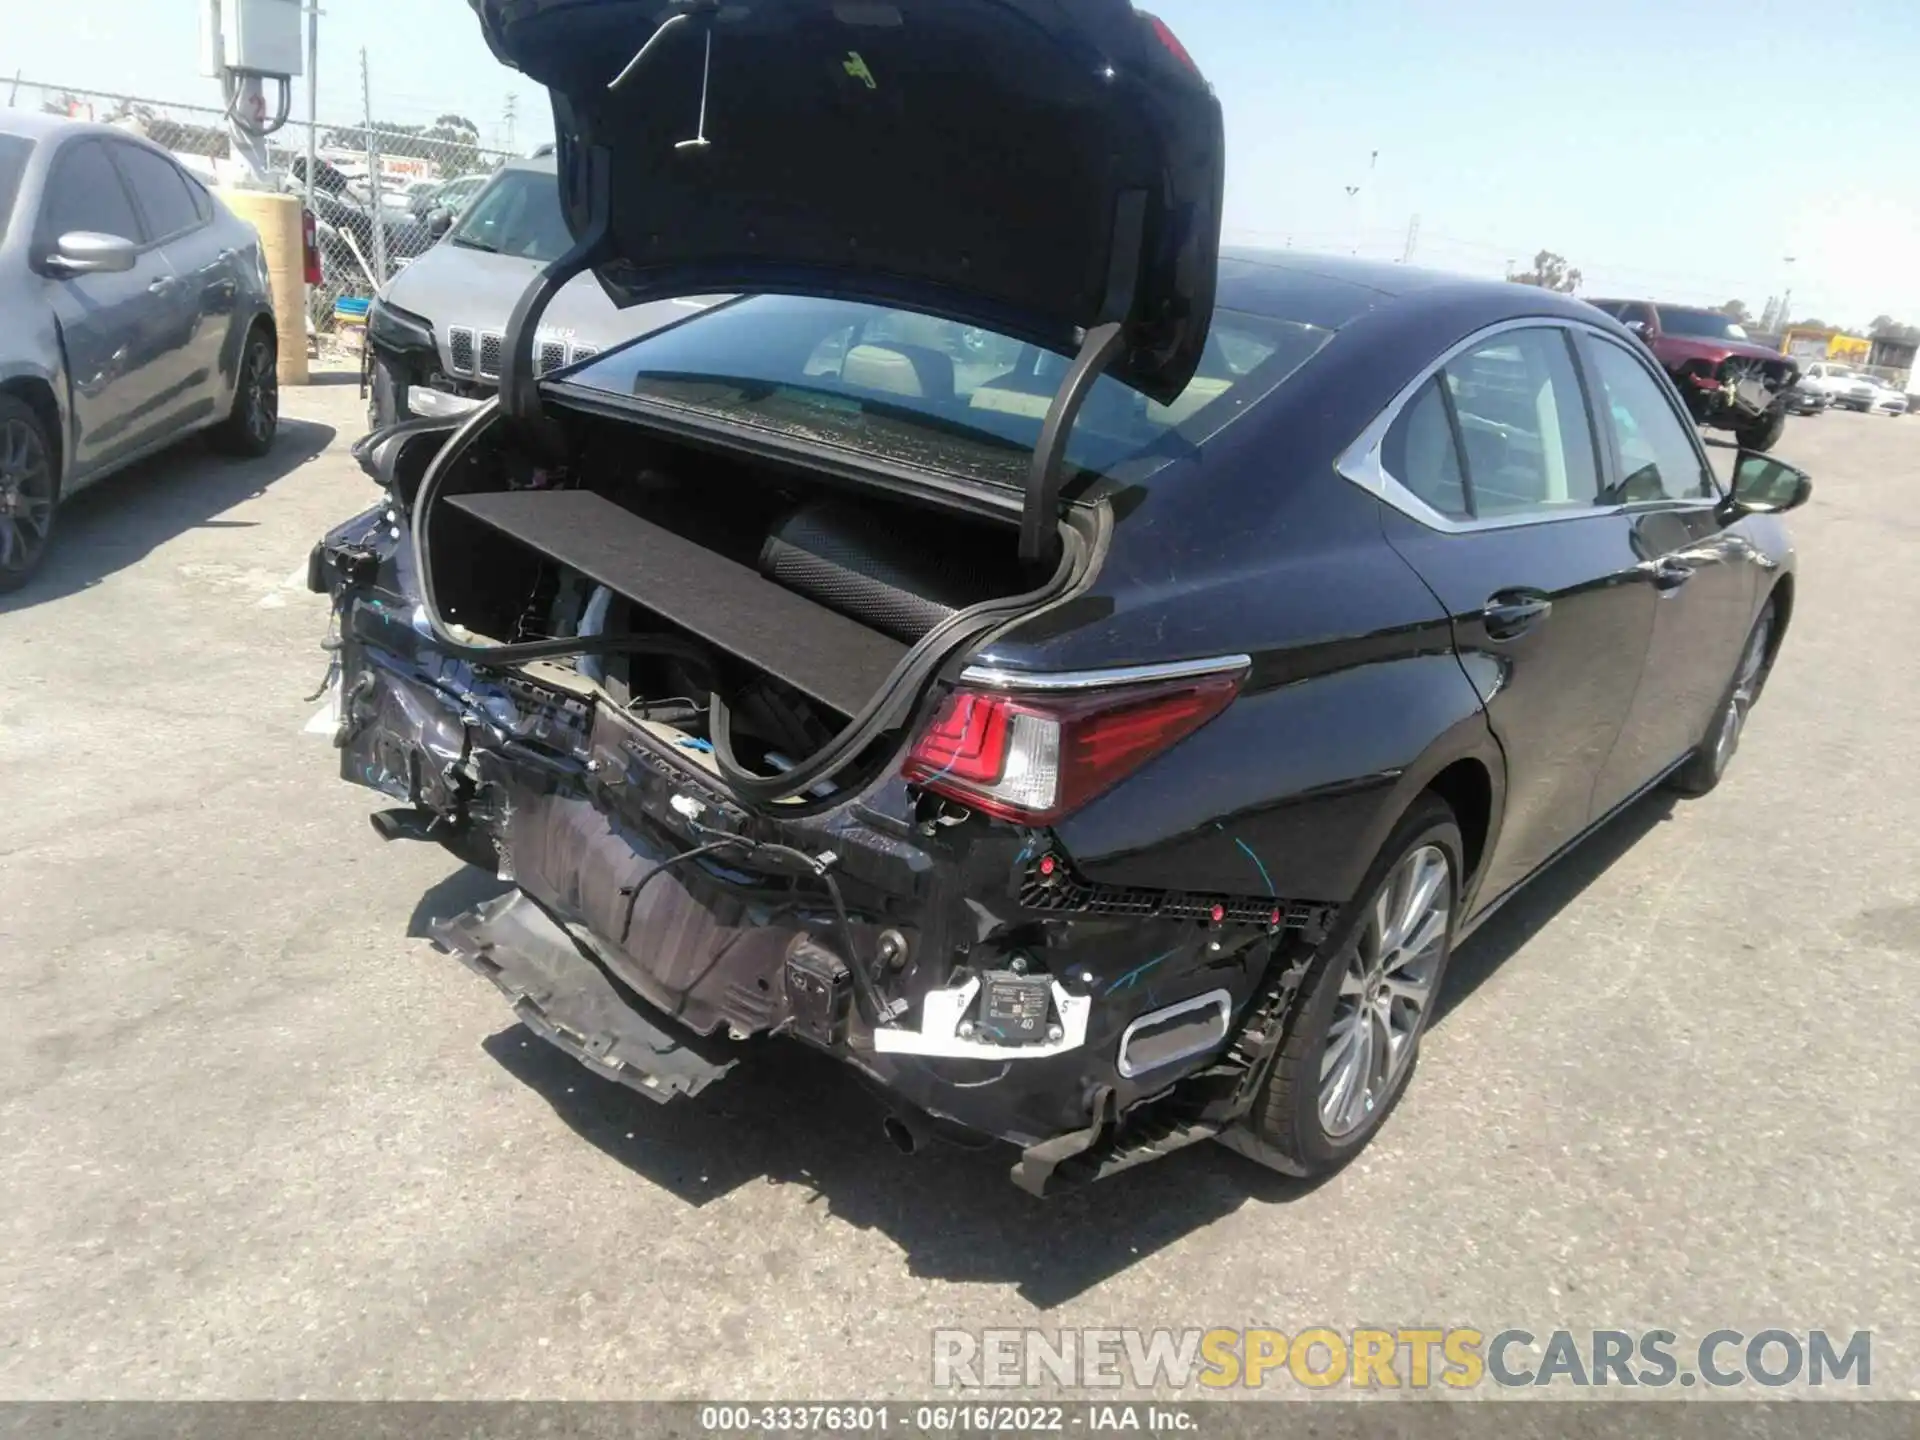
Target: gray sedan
137, 311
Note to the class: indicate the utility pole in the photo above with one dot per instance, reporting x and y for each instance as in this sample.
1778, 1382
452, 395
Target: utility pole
373, 176
1413, 241
511, 102
313, 93
1786, 300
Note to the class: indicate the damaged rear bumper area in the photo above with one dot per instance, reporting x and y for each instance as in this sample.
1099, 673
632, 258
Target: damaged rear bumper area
657, 925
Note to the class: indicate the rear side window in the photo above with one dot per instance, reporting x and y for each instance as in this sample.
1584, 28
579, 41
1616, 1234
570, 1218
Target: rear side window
1522, 424
84, 193
1658, 460
1420, 454
161, 190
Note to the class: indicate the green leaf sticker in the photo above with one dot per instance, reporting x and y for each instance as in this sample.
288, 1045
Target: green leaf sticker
857, 68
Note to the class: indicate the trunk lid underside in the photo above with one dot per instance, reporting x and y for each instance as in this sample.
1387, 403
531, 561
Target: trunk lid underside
1037, 167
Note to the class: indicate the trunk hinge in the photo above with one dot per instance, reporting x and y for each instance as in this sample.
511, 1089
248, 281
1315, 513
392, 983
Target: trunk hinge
1037, 516
519, 385
1098, 349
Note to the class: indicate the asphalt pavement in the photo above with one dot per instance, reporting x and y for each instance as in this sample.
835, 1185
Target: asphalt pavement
260, 1139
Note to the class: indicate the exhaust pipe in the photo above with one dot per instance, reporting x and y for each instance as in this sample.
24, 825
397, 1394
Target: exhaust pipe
907, 1133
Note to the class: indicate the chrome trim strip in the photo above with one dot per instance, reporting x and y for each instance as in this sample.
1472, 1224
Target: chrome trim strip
993, 677
438, 404
1360, 461
1219, 999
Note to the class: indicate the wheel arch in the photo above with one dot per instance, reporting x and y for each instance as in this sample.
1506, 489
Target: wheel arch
39, 396
1782, 597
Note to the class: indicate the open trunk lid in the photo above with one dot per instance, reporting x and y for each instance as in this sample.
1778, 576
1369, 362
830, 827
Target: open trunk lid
1040, 168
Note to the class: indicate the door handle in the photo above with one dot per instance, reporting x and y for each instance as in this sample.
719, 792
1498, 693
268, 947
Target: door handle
1512, 612
1669, 572
163, 286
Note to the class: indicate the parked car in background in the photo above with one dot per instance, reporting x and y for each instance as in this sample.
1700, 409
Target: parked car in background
435, 332
1088, 689
1826, 378
137, 311
1728, 382
1806, 398
448, 195
1870, 395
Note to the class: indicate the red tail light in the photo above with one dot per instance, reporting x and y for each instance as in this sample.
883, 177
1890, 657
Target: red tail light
310, 240
1032, 759
1170, 40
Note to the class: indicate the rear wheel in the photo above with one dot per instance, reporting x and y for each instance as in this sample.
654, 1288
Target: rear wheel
1708, 764
255, 417
1763, 433
29, 492
1352, 1047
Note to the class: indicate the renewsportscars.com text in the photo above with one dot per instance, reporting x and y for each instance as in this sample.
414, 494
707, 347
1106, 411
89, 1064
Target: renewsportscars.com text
1409, 1358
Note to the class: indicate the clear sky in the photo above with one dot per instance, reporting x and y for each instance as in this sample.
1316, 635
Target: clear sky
1676, 150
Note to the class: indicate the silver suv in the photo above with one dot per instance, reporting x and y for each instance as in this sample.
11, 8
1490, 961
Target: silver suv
436, 331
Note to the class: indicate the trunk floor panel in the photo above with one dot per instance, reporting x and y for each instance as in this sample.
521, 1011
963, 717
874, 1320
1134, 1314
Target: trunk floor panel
563, 997
819, 652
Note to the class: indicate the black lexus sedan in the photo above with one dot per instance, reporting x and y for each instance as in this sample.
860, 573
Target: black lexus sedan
1085, 681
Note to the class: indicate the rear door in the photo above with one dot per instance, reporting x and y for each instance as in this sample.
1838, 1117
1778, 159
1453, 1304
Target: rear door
1703, 573
1494, 471
200, 298
117, 330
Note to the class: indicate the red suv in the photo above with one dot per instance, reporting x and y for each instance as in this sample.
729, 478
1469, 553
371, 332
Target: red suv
1728, 382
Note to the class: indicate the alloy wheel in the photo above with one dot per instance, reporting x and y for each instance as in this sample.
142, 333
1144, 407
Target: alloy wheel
1385, 991
26, 497
1746, 687
263, 393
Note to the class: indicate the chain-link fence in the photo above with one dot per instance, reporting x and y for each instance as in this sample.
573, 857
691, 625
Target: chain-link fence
377, 192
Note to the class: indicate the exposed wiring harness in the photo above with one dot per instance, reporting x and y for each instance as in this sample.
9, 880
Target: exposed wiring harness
873, 1008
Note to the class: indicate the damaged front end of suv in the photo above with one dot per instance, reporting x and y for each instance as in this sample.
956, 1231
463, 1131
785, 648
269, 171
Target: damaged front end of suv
719, 700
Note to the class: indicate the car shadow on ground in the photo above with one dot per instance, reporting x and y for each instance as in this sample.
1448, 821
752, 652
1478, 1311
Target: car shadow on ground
114, 522
787, 1115
1482, 954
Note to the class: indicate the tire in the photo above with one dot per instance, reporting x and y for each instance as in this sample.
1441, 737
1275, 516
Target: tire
1308, 1113
1707, 766
29, 492
255, 417
1764, 433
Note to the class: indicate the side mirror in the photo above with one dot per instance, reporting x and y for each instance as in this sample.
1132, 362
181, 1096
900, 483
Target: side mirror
1640, 328
88, 252
439, 221
1764, 485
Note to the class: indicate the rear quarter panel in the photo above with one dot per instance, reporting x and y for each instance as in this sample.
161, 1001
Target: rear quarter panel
1355, 700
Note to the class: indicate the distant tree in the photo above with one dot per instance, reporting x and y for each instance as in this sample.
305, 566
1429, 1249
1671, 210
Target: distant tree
1549, 272
452, 143
1885, 327
1736, 311
1811, 325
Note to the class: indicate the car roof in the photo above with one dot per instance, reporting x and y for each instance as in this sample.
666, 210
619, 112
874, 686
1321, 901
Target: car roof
539, 164
1331, 290
34, 125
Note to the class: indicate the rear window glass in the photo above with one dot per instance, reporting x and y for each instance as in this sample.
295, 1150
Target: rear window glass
930, 392
14, 152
